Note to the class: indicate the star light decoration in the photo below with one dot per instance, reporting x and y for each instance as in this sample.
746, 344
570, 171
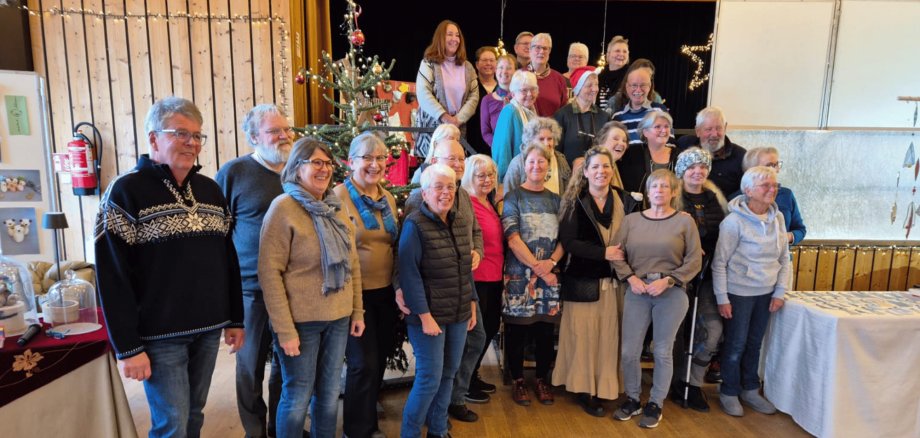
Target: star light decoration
691, 51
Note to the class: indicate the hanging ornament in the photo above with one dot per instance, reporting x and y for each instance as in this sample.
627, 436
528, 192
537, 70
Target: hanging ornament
602, 60
378, 117
500, 48
300, 79
909, 222
356, 36
894, 207
377, 69
910, 157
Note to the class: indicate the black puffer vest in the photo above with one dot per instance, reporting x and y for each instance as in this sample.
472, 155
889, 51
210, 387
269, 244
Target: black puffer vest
447, 265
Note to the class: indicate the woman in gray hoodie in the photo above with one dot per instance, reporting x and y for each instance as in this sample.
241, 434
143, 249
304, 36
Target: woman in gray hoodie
750, 272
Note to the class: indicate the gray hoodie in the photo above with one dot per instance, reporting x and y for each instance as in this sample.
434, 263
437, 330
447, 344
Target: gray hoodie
752, 255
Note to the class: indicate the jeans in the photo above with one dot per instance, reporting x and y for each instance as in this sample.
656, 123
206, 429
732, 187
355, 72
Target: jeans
475, 340
490, 308
708, 333
437, 359
743, 337
542, 333
250, 369
667, 312
318, 368
366, 357
180, 376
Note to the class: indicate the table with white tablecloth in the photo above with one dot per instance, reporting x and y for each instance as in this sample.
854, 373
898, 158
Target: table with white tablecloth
847, 364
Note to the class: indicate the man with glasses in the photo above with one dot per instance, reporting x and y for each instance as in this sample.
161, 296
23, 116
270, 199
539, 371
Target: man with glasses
250, 183
554, 88
727, 157
522, 48
167, 271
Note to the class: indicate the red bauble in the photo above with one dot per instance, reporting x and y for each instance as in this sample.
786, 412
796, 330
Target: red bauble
300, 79
378, 117
357, 37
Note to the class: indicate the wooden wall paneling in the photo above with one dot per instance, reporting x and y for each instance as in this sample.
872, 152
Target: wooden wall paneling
900, 263
298, 40
824, 274
282, 55
808, 265
141, 76
100, 83
913, 272
225, 141
130, 139
862, 270
795, 266
881, 269
200, 39
180, 52
263, 65
243, 89
158, 38
843, 275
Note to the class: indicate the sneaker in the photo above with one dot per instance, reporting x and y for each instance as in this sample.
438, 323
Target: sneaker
651, 416
519, 393
591, 405
757, 402
461, 413
476, 396
477, 383
544, 393
714, 375
630, 408
730, 405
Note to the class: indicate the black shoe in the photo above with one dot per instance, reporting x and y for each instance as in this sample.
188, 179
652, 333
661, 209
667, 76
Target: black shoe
431, 435
461, 413
591, 405
476, 396
651, 416
476, 383
696, 400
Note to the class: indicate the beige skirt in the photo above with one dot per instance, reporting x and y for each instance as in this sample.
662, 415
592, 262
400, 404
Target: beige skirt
589, 350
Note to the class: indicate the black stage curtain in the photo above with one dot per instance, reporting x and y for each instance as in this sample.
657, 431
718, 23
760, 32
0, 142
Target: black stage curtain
402, 29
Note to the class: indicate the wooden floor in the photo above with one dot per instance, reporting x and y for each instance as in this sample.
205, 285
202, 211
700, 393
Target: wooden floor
501, 417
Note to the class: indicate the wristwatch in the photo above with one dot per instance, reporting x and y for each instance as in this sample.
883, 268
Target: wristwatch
671, 281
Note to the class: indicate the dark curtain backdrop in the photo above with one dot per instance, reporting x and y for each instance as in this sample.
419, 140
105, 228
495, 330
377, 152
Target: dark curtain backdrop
401, 30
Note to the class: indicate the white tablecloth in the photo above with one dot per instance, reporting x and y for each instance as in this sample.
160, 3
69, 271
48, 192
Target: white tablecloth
847, 364
89, 401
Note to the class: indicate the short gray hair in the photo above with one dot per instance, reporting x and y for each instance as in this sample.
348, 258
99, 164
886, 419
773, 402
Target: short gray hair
364, 141
649, 120
752, 156
708, 112
543, 36
522, 78
163, 109
433, 171
534, 126
754, 174
443, 131
474, 164
578, 47
254, 118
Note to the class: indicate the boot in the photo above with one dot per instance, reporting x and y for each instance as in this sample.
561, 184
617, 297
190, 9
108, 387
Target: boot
757, 402
696, 400
731, 405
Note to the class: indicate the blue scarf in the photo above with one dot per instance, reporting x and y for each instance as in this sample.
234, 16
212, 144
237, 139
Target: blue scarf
367, 206
334, 245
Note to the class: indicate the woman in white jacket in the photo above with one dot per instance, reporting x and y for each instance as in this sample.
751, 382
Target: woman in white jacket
447, 85
750, 273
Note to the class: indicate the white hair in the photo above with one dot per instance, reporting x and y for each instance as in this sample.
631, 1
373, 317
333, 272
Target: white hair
522, 78
709, 112
433, 171
754, 174
542, 36
254, 118
475, 164
578, 47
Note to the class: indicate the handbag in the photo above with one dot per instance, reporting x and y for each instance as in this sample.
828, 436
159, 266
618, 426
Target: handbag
580, 289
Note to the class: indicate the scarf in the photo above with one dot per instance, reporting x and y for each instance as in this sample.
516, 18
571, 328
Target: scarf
604, 217
334, 245
366, 207
503, 93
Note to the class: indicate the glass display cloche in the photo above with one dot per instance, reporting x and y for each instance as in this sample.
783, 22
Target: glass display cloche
17, 298
70, 306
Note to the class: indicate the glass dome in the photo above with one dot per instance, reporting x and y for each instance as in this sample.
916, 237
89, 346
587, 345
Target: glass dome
17, 298
70, 304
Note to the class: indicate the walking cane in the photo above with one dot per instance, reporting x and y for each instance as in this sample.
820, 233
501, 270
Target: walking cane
696, 284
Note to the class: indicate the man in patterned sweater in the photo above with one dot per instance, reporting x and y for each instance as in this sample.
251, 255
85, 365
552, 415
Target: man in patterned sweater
167, 271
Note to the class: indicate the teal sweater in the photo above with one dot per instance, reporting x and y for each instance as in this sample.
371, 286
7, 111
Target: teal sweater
507, 140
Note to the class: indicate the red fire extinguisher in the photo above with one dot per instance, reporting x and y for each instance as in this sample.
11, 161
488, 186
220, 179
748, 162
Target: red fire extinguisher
85, 163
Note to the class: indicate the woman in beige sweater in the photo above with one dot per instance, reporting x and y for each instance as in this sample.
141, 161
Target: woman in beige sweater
311, 281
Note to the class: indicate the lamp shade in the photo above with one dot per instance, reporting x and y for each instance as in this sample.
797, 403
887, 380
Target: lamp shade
54, 220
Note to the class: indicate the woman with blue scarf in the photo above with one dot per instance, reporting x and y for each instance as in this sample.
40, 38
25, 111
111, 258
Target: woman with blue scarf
373, 211
311, 282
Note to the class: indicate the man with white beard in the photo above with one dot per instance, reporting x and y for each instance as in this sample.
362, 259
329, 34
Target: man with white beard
250, 183
726, 156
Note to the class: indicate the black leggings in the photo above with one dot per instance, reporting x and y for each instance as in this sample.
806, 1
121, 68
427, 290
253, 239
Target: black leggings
516, 337
490, 303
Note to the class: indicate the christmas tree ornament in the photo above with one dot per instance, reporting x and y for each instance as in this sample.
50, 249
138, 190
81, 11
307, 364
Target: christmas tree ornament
356, 37
378, 117
300, 79
377, 69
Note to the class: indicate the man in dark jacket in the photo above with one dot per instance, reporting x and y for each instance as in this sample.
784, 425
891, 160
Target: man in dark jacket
167, 270
726, 156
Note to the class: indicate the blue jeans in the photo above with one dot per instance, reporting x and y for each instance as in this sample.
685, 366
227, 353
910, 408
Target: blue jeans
472, 351
180, 376
437, 359
250, 370
743, 337
318, 367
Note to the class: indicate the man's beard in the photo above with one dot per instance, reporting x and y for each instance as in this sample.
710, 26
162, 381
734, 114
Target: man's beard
709, 148
273, 155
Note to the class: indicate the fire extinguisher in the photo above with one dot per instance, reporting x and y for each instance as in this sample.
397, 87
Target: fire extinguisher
85, 161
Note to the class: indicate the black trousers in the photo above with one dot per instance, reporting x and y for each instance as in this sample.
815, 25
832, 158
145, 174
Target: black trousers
366, 358
490, 304
516, 338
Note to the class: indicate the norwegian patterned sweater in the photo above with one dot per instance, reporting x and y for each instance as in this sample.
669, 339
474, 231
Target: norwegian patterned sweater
165, 261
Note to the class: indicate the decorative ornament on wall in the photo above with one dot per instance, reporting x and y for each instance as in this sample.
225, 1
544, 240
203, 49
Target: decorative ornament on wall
693, 52
910, 161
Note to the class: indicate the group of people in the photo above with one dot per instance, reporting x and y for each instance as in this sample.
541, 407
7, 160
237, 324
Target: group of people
569, 220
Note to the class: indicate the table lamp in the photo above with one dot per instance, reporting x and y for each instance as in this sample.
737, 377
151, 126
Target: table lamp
55, 220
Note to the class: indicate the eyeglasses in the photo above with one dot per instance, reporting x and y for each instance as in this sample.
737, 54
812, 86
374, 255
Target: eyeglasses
444, 188
644, 86
275, 131
485, 176
320, 164
451, 159
377, 158
776, 165
537, 48
768, 186
184, 135
577, 56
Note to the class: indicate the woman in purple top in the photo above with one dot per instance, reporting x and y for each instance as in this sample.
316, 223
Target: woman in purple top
493, 103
